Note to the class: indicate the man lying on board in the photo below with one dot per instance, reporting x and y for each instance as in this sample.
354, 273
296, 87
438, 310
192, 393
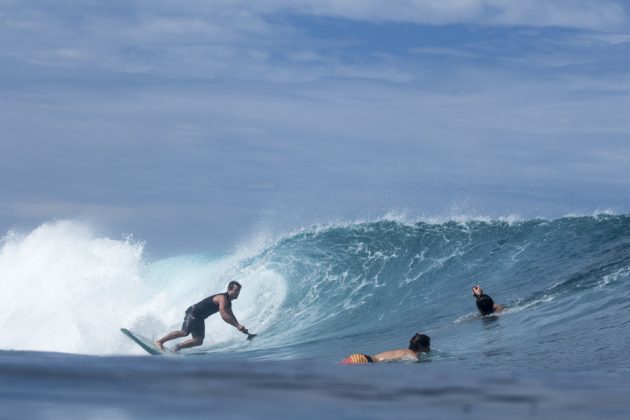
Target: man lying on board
419, 343
195, 318
485, 304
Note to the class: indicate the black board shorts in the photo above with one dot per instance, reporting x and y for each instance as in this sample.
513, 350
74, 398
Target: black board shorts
193, 325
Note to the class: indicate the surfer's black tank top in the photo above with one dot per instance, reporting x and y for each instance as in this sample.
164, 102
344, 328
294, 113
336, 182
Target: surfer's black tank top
207, 307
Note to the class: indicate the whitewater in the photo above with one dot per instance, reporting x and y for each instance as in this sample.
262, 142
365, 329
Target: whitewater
317, 294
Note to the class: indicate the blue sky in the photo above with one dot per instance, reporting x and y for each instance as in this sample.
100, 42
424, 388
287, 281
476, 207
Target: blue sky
193, 124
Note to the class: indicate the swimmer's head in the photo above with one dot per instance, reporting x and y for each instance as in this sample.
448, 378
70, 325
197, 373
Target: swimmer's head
485, 304
420, 342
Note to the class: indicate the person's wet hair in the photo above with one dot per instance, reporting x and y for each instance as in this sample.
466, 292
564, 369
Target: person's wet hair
485, 304
419, 341
234, 284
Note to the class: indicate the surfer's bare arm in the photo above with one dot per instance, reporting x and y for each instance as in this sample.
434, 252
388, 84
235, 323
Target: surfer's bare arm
228, 316
498, 308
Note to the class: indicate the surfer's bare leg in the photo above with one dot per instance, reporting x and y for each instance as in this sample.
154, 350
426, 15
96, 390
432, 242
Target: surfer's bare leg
193, 342
170, 336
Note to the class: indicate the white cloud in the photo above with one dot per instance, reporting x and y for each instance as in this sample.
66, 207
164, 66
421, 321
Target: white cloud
243, 40
447, 52
604, 15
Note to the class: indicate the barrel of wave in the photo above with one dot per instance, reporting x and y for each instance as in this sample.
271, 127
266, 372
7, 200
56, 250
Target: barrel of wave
182, 281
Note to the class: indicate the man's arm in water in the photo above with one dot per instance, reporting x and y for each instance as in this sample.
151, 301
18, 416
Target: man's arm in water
228, 315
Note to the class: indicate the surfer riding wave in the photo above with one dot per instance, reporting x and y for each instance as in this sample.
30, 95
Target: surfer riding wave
195, 316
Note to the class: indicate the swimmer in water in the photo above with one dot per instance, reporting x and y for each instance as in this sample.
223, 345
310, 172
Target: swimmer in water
485, 304
419, 343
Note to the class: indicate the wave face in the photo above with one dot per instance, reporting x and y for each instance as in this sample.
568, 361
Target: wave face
325, 292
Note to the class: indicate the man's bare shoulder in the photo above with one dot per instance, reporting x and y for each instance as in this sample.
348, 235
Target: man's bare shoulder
393, 355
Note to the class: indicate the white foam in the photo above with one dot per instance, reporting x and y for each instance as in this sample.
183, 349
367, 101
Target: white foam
65, 288
596, 214
620, 274
518, 307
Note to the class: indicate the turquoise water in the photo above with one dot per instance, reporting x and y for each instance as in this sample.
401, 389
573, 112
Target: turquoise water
368, 287
314, 297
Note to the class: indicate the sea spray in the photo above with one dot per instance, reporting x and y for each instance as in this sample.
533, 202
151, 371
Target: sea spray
66, 288
63, 286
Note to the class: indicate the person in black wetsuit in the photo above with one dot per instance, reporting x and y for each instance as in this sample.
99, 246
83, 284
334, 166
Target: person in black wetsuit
485, 304
195, 317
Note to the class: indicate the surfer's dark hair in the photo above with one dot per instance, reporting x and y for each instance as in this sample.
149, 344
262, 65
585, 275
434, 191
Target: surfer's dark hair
419, 341
485, 304
233, 284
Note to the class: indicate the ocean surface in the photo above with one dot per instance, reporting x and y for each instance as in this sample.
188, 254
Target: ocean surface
314, 296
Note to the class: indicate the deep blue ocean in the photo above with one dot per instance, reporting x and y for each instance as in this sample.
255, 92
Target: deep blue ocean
315, 296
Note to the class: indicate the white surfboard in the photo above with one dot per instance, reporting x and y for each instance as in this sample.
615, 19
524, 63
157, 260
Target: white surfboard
146, 344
